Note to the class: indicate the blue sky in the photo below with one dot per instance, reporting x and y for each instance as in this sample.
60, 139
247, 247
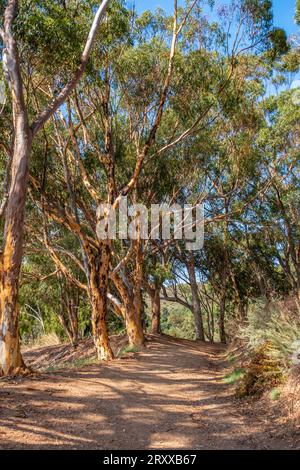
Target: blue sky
284, 11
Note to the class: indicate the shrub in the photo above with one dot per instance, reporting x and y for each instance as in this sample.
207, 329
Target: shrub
267, 344
263, 372
178, 321
274, 325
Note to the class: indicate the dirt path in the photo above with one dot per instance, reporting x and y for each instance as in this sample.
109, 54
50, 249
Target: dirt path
171, 396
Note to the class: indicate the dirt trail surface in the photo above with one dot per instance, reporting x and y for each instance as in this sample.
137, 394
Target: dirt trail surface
169, 396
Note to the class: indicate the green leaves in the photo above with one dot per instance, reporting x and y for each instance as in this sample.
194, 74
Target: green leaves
297, 15
260, 12
52, 34
279, 43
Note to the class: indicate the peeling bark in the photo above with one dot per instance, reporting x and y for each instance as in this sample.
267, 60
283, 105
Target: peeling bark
155, 310
133, 321
10, 356
11, 361
68, 316
98, 293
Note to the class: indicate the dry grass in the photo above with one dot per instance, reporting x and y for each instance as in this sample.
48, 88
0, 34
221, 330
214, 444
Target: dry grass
50, 339
261, 373
60, 356
290, 397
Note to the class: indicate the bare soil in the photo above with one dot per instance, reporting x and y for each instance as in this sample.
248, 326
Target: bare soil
171, 395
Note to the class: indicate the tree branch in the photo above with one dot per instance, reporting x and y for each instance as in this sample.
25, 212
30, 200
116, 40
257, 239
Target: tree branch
45, 115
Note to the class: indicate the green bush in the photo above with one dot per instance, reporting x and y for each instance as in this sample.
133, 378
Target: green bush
274, 325
267, 343
178, 322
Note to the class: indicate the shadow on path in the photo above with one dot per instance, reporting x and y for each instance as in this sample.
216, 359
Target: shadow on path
170, 396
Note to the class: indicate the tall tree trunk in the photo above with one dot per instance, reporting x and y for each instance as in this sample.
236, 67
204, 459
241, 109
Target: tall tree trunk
12, 253
98, 295
134, 327
68, 315
11, 361
65, 326
195, 300
155, 310
209, 332
212, 323
137, 288
73, 315
222, 331
133, 321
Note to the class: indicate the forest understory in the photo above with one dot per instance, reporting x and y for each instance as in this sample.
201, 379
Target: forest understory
170, 395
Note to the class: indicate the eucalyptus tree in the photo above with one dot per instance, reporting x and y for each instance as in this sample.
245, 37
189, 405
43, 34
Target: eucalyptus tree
106, 181
24, 133
276, 212
297, 15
